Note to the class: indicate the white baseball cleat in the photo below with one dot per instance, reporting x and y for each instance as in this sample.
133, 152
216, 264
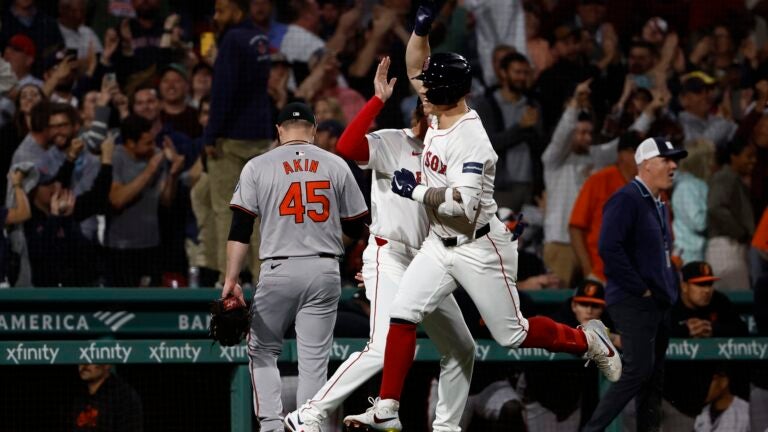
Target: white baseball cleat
297, 421
381, 416
600, 349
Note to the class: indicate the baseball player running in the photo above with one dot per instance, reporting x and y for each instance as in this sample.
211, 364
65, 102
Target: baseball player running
305, 197
398, 229
466, 243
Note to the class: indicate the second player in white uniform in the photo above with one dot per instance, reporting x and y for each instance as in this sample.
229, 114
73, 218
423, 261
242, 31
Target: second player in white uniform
467, 243
398, 228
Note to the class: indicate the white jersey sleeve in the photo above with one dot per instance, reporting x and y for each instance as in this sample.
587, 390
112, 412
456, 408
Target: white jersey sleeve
384, 150
471, 158
461, 157
393, 217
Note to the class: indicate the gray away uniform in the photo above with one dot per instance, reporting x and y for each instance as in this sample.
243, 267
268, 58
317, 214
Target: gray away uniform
301, 193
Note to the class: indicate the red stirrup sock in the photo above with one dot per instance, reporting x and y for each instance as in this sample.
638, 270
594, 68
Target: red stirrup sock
553, 336
398, 357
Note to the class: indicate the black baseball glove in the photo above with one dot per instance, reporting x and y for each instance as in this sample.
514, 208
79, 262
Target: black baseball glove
230, 321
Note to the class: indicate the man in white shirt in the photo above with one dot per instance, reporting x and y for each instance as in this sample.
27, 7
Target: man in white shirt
76, 35
568, 160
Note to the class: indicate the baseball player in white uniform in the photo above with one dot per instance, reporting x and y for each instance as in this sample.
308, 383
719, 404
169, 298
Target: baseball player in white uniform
466, 243
398, 228
305, 197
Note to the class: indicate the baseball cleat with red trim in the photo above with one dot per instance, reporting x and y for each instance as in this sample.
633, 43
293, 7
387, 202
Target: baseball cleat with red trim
381, 416
600, 349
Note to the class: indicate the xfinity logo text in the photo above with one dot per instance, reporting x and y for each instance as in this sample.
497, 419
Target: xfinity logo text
683, 348
112, 354
19, 354
233, 353
164, 352
746, 349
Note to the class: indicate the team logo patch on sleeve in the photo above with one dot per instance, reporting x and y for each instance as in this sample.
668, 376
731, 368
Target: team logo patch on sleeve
472, 168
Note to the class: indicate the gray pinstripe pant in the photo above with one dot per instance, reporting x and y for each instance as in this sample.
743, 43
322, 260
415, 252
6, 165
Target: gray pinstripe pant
306, 290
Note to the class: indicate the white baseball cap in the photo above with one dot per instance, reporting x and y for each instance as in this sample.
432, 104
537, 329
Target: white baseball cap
658, 146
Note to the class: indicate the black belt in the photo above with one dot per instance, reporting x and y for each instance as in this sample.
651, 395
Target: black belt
320, 255
453, 241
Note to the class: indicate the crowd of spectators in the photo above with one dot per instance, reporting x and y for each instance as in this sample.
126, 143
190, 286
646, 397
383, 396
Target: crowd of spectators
124, 125
126, 122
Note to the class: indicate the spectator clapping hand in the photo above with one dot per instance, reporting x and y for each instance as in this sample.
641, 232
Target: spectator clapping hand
126, 37
120, 101
111, 42
749, 51
172, 33
581, 94
610, 45
660, 100
62, 202
107, 150
701, 50
75, 148
529, 118
172, 156
349, 19
155, 162
384, 20
109, 88
699, 327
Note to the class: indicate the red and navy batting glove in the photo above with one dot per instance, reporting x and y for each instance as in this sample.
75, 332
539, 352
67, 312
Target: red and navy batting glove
403, 183
520, 225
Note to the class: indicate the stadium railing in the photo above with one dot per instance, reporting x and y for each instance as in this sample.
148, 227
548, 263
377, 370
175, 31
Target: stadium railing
163, 326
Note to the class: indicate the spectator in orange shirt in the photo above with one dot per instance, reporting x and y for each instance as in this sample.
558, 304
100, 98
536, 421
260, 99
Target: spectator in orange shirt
760, 240
586, 217
760, 251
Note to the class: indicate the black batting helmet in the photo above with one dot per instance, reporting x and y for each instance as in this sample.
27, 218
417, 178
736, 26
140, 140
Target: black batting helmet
447, 78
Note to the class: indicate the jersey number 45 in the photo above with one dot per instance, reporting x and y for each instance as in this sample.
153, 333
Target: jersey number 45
293, 201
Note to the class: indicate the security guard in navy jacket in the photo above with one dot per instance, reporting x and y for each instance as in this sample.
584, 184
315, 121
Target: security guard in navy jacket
635, 244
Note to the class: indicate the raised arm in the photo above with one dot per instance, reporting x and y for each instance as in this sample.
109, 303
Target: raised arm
21, 212
353, 144
418, 49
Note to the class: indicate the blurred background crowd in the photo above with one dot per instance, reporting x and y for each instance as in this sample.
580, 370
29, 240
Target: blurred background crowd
124, 125
566, 90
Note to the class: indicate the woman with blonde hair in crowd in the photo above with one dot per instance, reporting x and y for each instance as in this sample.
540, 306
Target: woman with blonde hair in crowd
329, 108
689, 200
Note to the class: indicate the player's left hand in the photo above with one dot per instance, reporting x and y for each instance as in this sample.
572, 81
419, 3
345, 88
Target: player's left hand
403, 183
425, 15
382, 88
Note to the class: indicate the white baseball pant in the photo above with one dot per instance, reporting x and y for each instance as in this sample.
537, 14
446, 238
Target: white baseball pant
486, 268
383, 268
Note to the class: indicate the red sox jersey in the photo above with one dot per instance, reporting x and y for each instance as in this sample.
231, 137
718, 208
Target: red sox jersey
397, 219
460, 157
301, 193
